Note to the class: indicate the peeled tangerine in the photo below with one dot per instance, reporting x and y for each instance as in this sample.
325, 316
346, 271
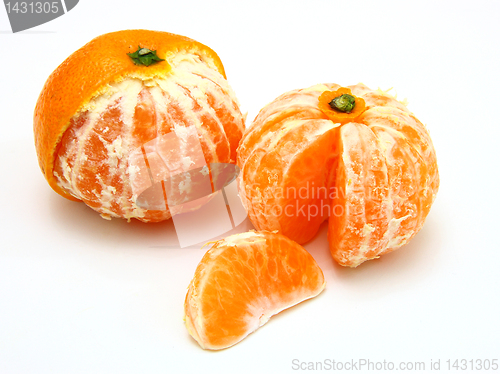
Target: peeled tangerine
356, 157
130, 109
242, 281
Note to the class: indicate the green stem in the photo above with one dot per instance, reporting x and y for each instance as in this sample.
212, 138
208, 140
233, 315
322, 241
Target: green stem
343, 103
144, 56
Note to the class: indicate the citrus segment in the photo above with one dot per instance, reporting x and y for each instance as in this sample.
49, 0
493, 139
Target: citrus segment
360, 208
242, 281
408, 186
280, 196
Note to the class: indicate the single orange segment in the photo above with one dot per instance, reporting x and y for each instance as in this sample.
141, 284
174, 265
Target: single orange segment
242, 281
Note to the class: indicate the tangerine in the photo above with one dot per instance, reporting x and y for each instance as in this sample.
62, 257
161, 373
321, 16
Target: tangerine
115, 94
352, 155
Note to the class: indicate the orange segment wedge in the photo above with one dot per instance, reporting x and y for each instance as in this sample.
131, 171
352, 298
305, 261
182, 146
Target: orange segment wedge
388, 180
242, 281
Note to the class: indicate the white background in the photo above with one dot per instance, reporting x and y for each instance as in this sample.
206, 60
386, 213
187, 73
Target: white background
79, 294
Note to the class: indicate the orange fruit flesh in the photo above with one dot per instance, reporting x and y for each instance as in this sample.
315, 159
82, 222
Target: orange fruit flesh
379, 170
92, 163
288, 149
390, 195
242, 281
293, 165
